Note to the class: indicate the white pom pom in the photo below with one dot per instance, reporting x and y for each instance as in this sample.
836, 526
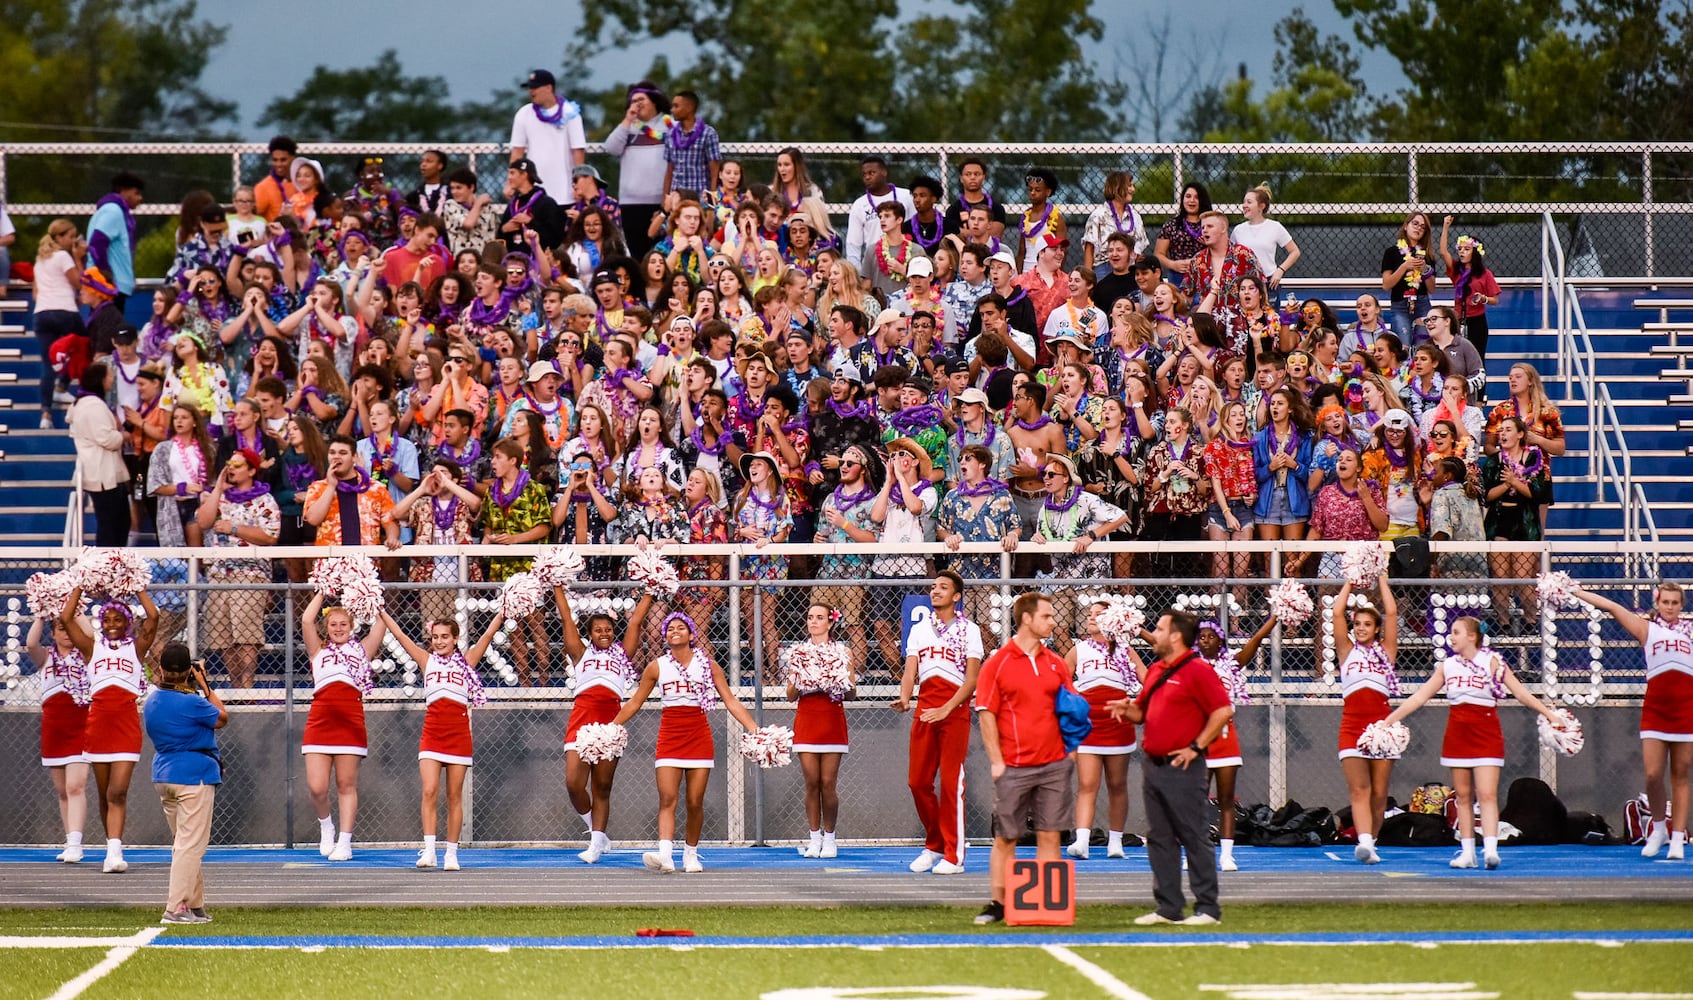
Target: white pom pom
1557, 590
820, 667
1363, 564
119, 573
363, 600
1122, 620
650, 569
770, 746
1382, 740
522, 596
558, 566
46, 593
1291, 604
1566, 738
599, 741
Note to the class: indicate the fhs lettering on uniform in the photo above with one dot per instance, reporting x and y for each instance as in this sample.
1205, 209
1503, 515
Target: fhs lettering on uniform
1663, 646
457, 678
674, 687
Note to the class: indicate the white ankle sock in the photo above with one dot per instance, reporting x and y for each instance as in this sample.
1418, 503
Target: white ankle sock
667, 848
1227, 846
346, 838
1467, 844
429, 842
1116, 838
1366, 840
327, 824
114, 846
829, 838
73, 838
816, 838
1490, 845
690, 851
587, 819
1677, 837
452, 847
1083, 835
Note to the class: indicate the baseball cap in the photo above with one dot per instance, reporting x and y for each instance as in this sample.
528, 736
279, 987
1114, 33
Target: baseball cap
953, 365
1146, 262
527, 166
973, 395
539, 78
848, 372
1004, 257
125, 334
1397, 419
1054, 241
540, 370
587, 170
605, 278
920, 267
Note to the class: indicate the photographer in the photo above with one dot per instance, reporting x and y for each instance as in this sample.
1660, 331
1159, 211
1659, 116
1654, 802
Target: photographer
181, 715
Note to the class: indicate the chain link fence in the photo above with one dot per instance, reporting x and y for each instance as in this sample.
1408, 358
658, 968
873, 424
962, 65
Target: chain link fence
517, 795
1626, 209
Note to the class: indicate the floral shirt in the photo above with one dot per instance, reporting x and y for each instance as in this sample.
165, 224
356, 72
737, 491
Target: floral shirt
530, 509
1238, 262
1184, 239
374, 504
665, 520
1233, 465
1169, 498
775, 519
442, 522
1044, 298
204, 387
487, 227
707, 525
857, 514
1339, 515
260, 512
1549, 424
665, 459
992, 521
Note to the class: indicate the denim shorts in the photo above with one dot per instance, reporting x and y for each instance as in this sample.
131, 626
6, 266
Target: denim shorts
1280, 512
1242, 510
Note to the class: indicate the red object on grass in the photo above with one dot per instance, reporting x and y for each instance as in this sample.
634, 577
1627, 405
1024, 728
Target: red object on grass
658, 932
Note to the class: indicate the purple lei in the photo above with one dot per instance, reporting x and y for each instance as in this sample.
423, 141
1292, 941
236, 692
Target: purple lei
463, 459
444, 516
1034, 425
685, 140
505, 499
847, 501
898, 496
774, 501
252, 492
859, 409
698, 440
1117, 220
1397, 459
987, 442
745, 412
913, 419
300, 476
359, 483
986, 488
481, 314
1059, 508
1531, 465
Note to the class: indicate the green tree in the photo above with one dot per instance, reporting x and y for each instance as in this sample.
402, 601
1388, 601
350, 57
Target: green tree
375, 103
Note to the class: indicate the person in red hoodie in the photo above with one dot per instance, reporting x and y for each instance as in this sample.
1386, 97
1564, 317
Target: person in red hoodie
1016, 704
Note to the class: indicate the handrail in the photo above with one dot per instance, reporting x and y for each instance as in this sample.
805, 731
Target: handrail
73, 512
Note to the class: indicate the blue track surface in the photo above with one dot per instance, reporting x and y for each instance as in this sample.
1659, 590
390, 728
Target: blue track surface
1574, 862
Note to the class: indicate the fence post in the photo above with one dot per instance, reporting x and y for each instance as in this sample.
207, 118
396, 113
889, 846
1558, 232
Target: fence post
193, 596
1176, 178
737, 787
1646, 198
757, 712
940, 172
288, 713
1411, 177
1278, 707
235, 168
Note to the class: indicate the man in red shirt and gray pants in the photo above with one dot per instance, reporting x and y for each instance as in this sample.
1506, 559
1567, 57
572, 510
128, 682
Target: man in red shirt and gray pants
1181, 709
1016, 703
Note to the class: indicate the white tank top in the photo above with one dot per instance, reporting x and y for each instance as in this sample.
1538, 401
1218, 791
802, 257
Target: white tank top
608, 668
452, 678
1097, 668
65, 673
116, 666
685, 686
1667, 650
345, 664
1472, 682
1368, 669
1233, 677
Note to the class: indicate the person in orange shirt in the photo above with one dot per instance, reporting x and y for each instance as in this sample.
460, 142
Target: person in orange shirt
343, 506
277, 188
146, 426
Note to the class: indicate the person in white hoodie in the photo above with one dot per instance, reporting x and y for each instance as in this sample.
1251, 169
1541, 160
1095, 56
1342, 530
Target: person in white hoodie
99, 452
638, 141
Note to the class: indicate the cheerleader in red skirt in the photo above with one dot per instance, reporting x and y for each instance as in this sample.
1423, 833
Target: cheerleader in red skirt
602, 672
1367, 680
689, 683
1223, 757
64, 716
1104, 672
451, 688
335, 736
116, 679
1666, 716
1475, 681
820, 676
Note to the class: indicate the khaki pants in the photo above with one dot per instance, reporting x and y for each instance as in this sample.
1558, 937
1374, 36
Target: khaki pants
188, 810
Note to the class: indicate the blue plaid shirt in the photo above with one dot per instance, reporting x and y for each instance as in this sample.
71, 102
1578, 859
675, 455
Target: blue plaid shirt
688, 166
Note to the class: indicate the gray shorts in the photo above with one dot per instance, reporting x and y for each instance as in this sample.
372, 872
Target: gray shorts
1242, 510
1044, 795
1280, 512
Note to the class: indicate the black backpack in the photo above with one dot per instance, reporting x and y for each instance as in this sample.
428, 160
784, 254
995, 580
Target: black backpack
1532, 807
1414, 829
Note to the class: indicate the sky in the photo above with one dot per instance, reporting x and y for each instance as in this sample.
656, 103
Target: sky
479, 54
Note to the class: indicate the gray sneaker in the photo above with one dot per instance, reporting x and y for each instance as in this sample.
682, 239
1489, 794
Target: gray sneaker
182, 916
200, 915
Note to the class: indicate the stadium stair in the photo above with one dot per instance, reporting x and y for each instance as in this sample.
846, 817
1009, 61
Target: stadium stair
35, 464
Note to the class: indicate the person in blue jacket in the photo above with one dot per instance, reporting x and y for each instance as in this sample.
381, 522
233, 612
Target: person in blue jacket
182, 716
1281, 454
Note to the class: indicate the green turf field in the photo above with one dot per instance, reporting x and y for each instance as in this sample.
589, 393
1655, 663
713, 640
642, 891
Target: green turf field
887, 953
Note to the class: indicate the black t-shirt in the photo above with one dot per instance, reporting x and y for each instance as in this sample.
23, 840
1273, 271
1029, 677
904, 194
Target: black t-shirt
955, 213
1019, 316
1391, 258
1113, 287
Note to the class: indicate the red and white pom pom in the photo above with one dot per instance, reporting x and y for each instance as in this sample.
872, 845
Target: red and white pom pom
48, 592
599, 741
1557, 590
1291, 604
115, 572
770, 746
654, 572
333, 575
522, 596
364, 600
1566, 738
558, 566
825, 668
1363, 564
1121, 620
1383, 740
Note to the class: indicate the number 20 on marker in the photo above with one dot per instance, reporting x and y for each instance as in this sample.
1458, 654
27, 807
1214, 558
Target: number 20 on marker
1040, 893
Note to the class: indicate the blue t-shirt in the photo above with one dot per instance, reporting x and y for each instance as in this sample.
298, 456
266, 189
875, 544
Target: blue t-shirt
184, 740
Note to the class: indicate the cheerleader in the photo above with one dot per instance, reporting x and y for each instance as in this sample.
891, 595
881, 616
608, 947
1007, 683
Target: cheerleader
335, 734
1104, 672
1366, 653
1474, 679
689, 682
1666, 717
64, 715
820, 727
451, 688
116, 679
603, 673
1222, 757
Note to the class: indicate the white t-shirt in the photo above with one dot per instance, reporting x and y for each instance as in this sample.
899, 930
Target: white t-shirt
552, 147
1262, 239
862, 225
1086, 323
936, 655
52, 289
256, 226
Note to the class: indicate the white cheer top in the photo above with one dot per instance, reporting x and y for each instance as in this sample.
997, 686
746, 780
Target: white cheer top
116, 666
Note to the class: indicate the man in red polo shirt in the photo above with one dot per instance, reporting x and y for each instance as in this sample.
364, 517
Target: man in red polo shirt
1016, 703
1181, 709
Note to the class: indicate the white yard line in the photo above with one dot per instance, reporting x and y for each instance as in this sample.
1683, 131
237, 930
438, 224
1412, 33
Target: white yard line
114, 958
1112, 986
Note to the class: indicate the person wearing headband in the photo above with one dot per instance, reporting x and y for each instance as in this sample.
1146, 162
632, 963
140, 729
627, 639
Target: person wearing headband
183, 715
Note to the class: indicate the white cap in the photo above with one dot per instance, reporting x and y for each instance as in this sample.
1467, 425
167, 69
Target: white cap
1004, 257
920, 267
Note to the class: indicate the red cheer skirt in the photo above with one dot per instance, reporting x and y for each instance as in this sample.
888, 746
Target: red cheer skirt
820, 725
1362, 708
684, 739
446, 732
1473, 737
1108, 737
64, 724
113, 732
335, 724
595, 706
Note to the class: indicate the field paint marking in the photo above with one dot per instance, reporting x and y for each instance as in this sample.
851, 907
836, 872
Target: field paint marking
65, 941
114, 958
1589, 995
1331, 855
1094, 974
1351, 991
